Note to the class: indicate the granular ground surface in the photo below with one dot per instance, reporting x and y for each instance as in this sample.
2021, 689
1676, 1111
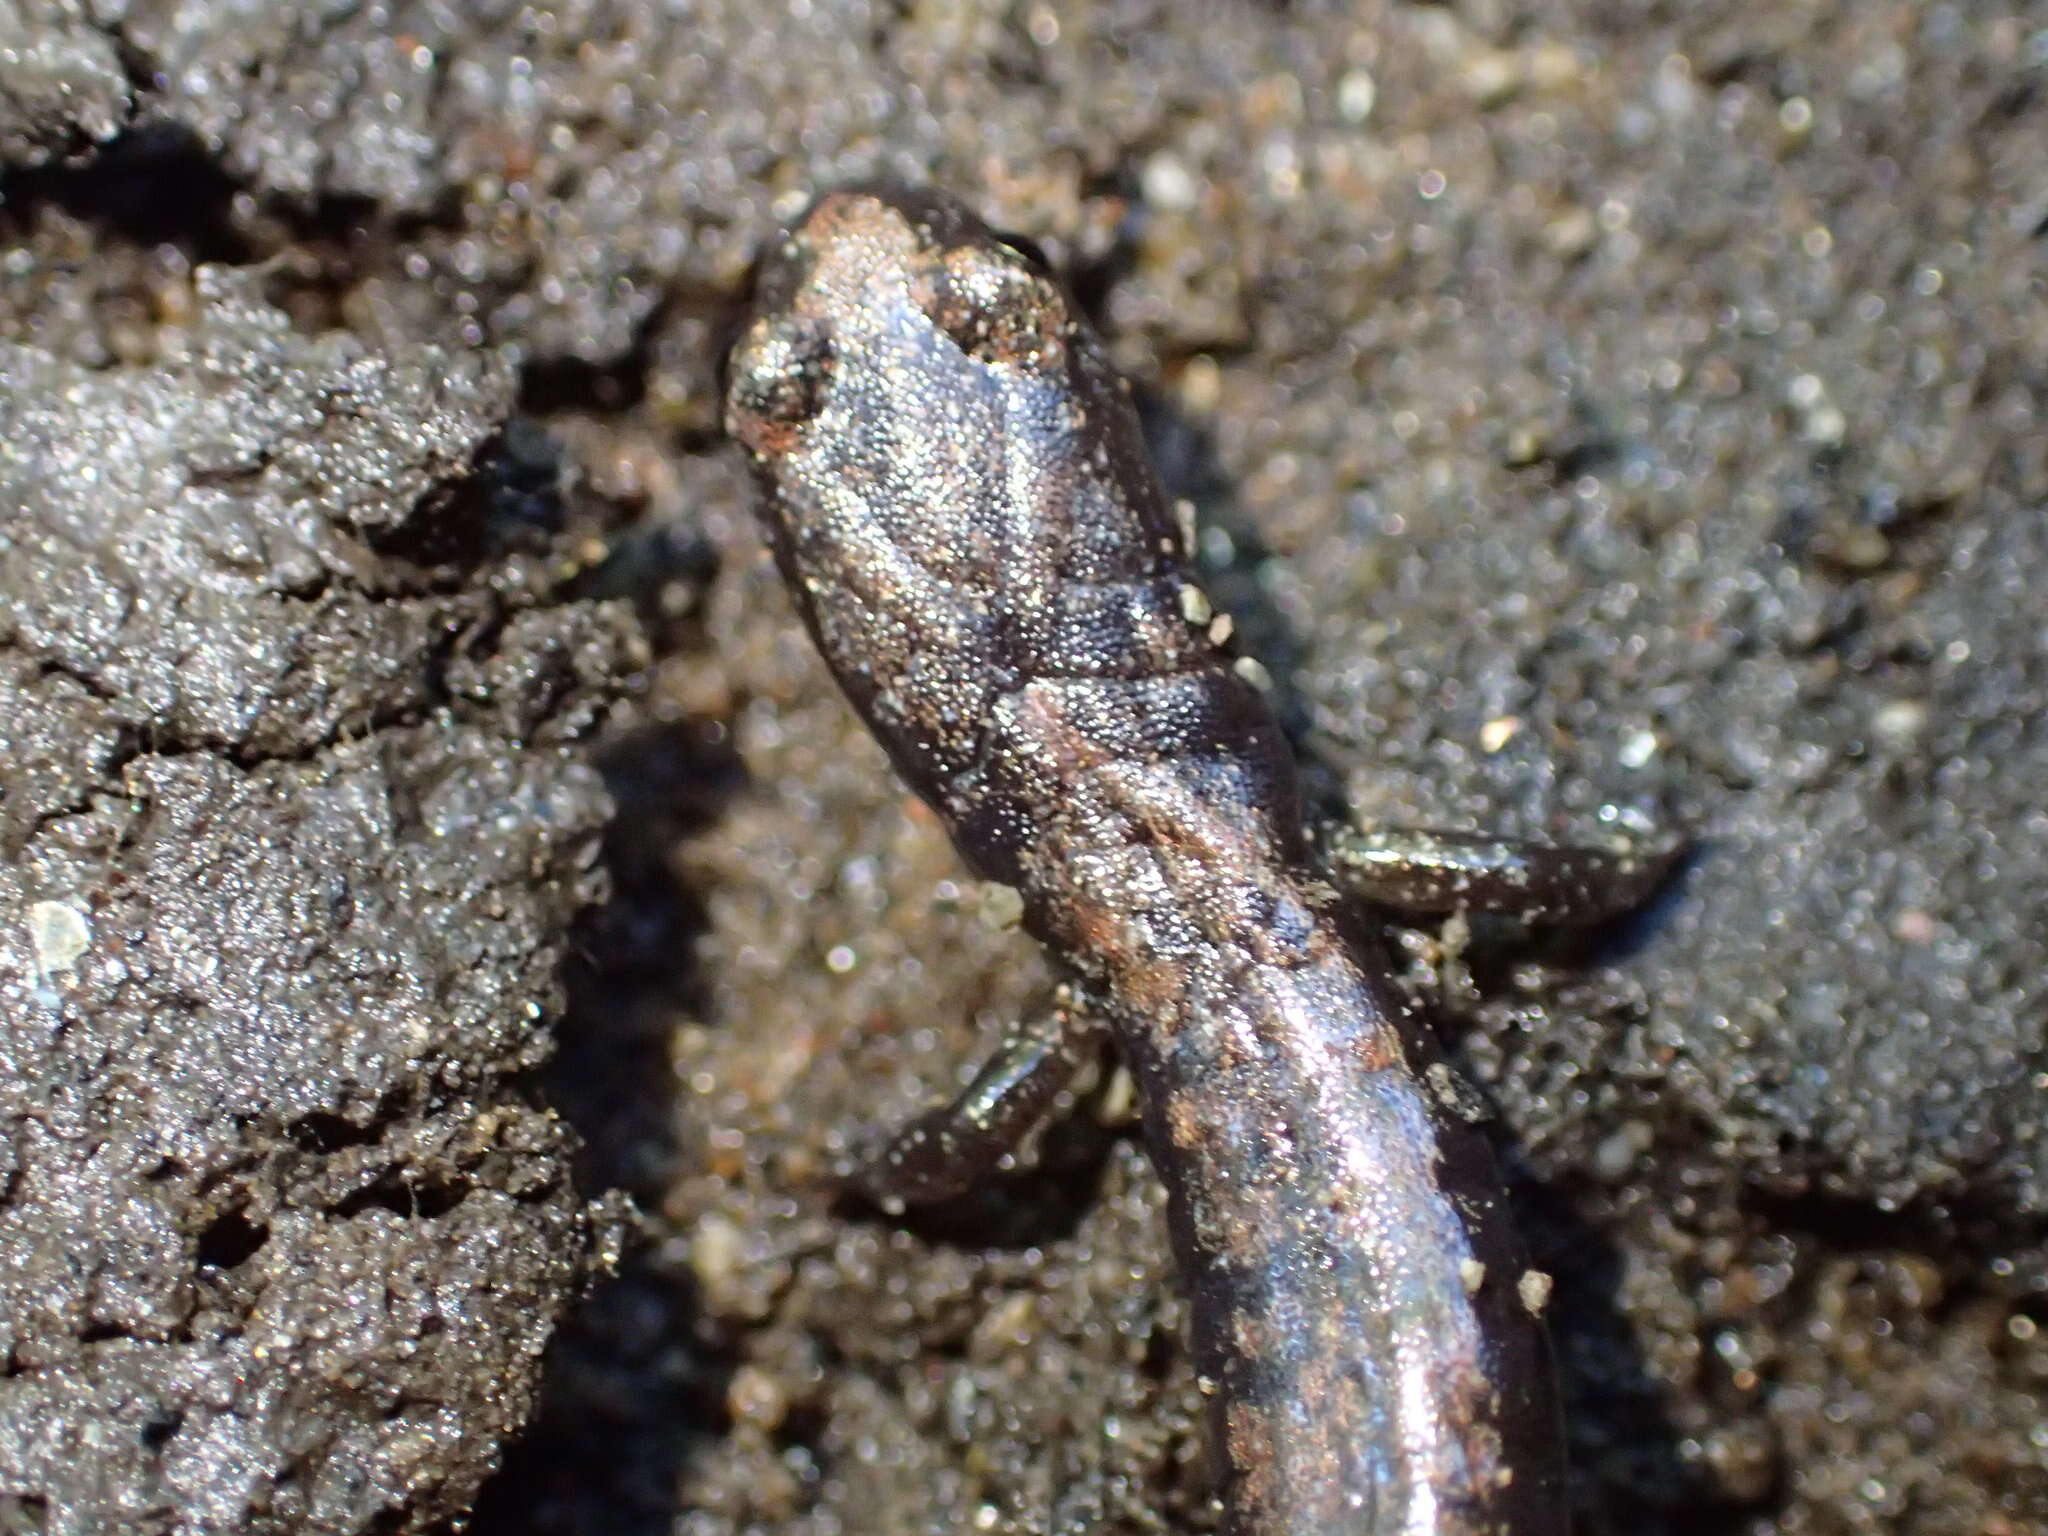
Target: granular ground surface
1596, 414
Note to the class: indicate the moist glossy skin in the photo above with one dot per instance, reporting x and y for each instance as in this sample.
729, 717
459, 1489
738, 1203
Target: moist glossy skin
957, 495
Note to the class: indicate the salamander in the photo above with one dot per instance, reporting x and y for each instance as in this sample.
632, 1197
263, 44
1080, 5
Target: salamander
957, 494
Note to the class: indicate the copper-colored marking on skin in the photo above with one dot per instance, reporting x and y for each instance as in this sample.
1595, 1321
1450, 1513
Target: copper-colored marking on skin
1016, 341
1148, 984
1183, 1118
1248, 1442
1146, 980
763, 438
837, 212
1377, 1050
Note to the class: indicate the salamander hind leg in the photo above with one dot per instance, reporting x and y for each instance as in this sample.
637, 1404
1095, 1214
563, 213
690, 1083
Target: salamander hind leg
946, 1151
1425, 871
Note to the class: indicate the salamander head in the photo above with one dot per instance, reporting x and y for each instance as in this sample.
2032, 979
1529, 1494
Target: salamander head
849, 277
911, 392
956, 489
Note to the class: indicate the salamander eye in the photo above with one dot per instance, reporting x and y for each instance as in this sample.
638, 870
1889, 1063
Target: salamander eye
999, 308
779, 378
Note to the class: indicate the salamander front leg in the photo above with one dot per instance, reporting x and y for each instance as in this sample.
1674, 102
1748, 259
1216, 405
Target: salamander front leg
1422, 871
945, 1151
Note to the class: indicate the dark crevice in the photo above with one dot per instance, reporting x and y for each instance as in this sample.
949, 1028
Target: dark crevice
321, 1132
1090, 280
154, 185
155, 738
140, 67
1616, 1408
230, 1241
558, 384
639, 1378
161, 1427
1579, 455
804, 1429
510, 502
405, 1192
606, 1405
48, 667
1846, 1225
663, 569
551, 385
334, 243
632, 964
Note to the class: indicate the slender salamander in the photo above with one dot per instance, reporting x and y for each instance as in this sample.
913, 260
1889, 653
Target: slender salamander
958, 497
